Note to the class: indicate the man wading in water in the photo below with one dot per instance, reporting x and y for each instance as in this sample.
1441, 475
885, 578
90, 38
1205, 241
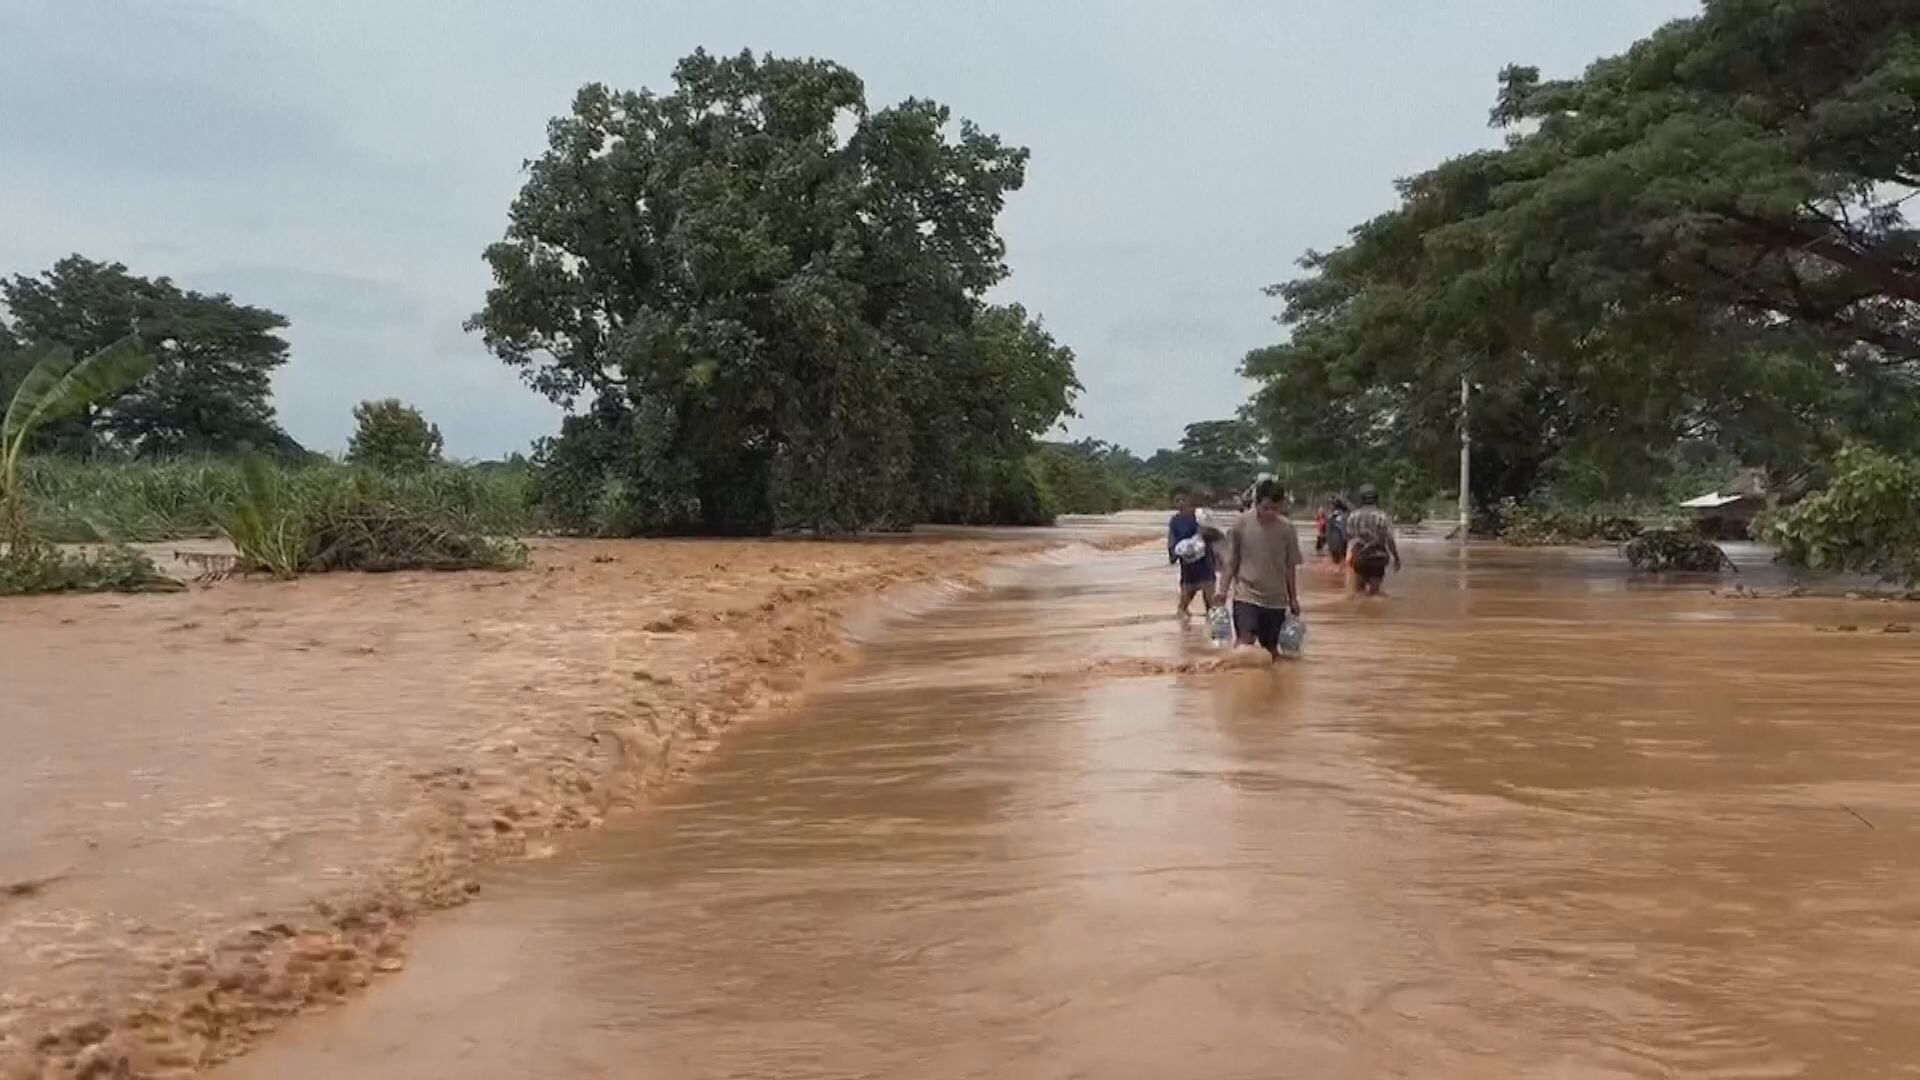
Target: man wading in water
1263, 557
1371, 546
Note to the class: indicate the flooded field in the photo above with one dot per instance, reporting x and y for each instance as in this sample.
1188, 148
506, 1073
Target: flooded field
1526, 818
225, 806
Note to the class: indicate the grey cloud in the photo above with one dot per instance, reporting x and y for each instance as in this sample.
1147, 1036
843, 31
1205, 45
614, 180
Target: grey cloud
141, 87
341, 301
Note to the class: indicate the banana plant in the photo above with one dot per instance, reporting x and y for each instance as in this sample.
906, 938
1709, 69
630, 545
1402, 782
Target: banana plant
56, 386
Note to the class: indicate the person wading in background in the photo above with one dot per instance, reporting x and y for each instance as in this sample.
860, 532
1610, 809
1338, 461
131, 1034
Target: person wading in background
1196, 569
1337, 532
1371, 546
1263, 559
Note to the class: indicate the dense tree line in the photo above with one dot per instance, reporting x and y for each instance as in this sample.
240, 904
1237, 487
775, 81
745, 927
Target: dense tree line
1697, 248
1216, 460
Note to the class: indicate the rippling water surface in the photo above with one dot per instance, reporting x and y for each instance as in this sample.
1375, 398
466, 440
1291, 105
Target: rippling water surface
1523, 818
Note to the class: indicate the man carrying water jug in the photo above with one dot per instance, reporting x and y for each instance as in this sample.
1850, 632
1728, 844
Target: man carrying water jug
1263, 560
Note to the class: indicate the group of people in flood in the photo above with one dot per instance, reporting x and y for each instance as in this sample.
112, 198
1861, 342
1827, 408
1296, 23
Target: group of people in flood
1253, 565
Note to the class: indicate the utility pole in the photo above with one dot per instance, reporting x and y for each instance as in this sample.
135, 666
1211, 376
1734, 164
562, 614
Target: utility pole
1466, 463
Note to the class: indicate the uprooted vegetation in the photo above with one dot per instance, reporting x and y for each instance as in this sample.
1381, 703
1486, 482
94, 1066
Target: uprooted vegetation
1662, 550
351, 519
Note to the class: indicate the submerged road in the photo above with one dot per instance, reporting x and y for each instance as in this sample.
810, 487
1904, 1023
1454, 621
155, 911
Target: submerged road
1521, 819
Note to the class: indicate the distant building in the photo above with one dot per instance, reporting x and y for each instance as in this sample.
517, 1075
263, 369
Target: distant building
1729, 515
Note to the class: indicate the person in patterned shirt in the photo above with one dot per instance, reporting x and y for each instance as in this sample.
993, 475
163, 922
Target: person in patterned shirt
1371, 546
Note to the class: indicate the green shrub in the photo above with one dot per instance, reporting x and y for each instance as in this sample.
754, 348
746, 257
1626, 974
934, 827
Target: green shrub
1866, 521
354, 519
392, 437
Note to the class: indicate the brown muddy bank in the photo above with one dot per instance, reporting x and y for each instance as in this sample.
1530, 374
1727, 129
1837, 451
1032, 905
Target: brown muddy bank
227, 806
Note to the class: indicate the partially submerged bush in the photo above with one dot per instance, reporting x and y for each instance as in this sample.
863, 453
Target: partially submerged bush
40, 569
1866, 521
1658, 550
353, 520
376, 536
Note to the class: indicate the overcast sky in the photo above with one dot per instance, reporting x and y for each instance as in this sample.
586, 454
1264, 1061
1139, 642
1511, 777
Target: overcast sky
345, 161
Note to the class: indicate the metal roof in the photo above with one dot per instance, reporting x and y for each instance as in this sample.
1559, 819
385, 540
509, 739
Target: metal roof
1711, 501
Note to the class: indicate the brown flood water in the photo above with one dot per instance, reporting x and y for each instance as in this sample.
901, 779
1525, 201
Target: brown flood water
1523, 819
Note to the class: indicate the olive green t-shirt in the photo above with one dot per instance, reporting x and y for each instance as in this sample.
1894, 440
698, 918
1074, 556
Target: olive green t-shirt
1259, 556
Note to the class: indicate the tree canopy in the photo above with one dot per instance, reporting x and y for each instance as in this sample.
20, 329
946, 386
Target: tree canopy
210, 387
393, 437
773, 296
1219, 457
1700, 240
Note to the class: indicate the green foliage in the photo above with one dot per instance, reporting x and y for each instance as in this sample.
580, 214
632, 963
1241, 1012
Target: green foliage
40, 569
391, 436
773, 295
1662, 550
139, 501
970, 456
265, 526
209, 390
351, 519
608, 473
1699, 241
1094, 477
1533, 524
1218, 457
1867, 520
54, 387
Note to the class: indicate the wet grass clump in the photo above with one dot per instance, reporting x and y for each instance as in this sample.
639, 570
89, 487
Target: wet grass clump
349, 519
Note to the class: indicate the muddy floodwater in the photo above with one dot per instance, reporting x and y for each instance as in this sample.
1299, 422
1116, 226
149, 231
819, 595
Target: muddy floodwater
1526, 818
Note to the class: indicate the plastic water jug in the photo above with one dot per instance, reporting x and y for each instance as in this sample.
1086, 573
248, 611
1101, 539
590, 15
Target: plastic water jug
1220, 626
1293, 636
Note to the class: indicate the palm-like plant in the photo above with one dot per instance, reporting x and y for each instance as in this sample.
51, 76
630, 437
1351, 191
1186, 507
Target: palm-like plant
57, 386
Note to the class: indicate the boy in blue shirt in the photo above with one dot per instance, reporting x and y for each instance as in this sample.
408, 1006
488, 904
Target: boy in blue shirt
1197, 573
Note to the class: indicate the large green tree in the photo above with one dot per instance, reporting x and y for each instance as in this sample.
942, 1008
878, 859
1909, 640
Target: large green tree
1222, 457
1700, 240
771, 288
210, 388
393, 437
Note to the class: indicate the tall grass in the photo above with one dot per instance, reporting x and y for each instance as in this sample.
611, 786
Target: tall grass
355, 519
94, 502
